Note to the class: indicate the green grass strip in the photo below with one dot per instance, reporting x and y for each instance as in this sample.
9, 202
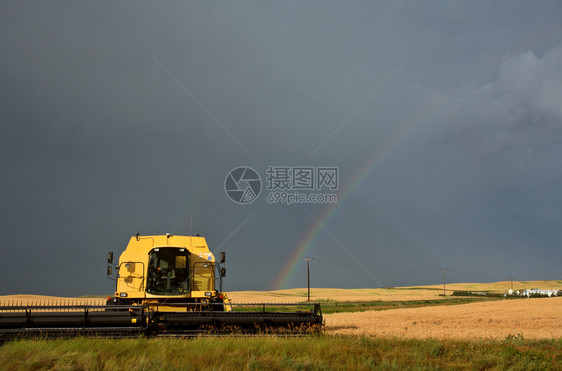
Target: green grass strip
277, 353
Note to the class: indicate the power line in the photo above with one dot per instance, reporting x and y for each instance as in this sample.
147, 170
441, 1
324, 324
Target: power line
444, 270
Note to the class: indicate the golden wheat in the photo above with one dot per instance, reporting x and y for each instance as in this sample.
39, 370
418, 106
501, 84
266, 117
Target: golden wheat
535, 318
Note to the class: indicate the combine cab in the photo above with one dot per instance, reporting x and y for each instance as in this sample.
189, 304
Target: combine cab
166, 285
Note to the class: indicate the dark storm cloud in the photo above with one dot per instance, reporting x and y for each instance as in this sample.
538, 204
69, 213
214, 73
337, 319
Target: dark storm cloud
99, 141
486, 192
519, 111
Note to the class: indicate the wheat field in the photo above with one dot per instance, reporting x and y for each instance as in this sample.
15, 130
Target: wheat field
535, 318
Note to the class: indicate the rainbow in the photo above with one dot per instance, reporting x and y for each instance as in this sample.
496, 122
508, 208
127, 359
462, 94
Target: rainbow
311, 234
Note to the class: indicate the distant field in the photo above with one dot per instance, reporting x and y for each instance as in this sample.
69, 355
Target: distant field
388, 294
393, 294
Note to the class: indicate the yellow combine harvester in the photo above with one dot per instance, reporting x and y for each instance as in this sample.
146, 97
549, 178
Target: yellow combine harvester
166, 285
154, 270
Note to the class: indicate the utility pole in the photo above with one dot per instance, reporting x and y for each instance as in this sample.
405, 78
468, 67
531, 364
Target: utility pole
444, 270
308, 274
511, 279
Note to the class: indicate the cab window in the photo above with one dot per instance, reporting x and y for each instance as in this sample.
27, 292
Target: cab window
168, 271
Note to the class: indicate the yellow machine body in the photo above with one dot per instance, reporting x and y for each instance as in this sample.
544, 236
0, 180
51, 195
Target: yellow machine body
167, 268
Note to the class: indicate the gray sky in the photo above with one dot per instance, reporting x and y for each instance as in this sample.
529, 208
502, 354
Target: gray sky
126, 117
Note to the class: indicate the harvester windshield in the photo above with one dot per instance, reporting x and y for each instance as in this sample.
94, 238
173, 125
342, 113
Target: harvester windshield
168, 271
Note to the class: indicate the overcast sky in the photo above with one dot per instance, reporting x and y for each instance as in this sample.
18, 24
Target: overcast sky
444, 120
